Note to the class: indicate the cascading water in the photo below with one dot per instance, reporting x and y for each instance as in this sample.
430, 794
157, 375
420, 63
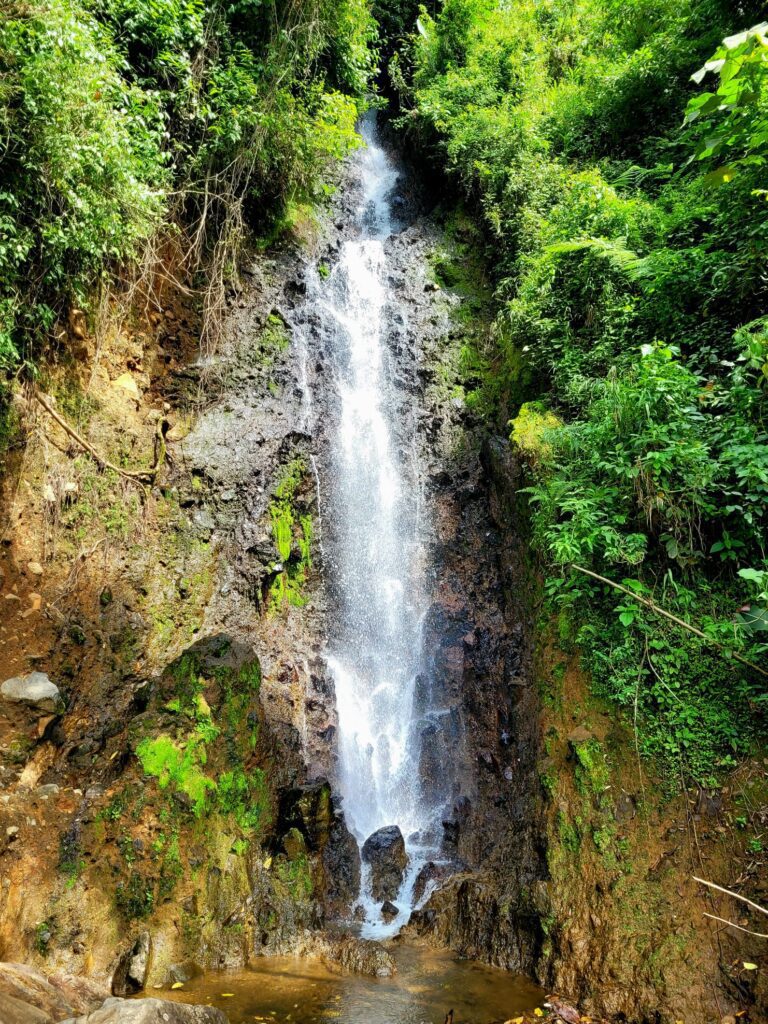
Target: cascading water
372, 550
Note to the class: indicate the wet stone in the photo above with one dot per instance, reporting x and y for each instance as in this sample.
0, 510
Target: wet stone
385, 852
388, 911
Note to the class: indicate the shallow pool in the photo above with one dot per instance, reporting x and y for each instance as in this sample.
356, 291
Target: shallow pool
428, 984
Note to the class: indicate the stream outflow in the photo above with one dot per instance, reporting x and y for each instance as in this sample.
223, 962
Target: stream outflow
373, 551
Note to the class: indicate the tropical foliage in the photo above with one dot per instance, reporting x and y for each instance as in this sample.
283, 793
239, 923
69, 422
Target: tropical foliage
128, 120
623, 199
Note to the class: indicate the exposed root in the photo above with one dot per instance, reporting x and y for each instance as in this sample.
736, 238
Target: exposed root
137, 475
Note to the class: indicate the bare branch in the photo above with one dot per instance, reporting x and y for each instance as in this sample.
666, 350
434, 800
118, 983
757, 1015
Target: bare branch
672, 618
729, 892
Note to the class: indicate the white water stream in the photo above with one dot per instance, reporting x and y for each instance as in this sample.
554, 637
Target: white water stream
374, 557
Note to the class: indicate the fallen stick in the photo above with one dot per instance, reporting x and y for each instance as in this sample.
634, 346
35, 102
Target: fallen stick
142, 475
730, 892
738, 927
672, 618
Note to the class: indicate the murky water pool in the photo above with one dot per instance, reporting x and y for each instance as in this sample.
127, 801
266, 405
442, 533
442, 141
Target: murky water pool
428, 984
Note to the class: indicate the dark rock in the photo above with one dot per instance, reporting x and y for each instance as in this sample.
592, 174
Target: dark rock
132, 968
389, 911
709, 805
385, 852
626, 808
341, 862
294, 844
308, 809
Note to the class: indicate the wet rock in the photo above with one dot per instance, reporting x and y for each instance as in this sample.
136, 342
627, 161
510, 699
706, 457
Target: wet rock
294, 844
150, 1011
469, 915
431, 872
179, 973
308, 809
363, 956
385, 852
341, 862
389, 911
35, 690
131, 972
565, 1012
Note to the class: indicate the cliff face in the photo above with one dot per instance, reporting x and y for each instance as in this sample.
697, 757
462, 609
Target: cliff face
190, 697
180, 783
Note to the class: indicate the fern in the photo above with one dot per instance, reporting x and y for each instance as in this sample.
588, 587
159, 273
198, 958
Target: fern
614, 251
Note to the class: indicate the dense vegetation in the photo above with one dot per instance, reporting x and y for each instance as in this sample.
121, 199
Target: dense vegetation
140, 133
615, 155
624, 209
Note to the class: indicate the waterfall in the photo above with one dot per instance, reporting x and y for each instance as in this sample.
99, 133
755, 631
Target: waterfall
372, 549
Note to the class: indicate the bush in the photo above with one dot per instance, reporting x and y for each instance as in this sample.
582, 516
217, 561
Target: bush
83, 173
124, 118
631, 296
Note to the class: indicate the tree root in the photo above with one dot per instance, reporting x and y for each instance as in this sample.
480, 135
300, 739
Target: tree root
137, 475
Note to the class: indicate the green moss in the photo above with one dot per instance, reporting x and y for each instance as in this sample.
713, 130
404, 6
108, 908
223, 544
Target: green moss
244, 796
178, 766
135, 898
532, 429
592, 774
44, 933
289, 528
296, 876
570, 837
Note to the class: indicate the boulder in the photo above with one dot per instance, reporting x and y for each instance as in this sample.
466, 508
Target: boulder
361, 956
150, 1011
385, 852
389, 911
132, 968
35, 690
27, 997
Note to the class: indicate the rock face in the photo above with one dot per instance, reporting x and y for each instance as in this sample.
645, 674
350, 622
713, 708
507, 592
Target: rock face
131, 972
385, 852
35, 690
311, 812
150, 1011
431, 872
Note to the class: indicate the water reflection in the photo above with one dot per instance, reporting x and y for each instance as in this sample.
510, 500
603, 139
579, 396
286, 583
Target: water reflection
428, 984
